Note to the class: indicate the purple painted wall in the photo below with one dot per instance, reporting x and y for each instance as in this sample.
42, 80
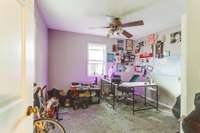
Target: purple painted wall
41, 49
68, 57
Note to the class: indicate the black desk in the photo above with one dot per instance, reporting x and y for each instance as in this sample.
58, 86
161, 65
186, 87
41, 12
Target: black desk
145, 85
131, 87
112, 87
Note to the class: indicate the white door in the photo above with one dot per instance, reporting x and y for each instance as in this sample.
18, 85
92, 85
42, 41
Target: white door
16, 64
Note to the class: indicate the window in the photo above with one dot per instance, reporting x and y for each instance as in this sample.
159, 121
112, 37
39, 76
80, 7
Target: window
96, 59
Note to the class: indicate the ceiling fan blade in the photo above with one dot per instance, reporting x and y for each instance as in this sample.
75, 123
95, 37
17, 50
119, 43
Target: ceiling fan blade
100, 27
135, 23
110, 16
127, 34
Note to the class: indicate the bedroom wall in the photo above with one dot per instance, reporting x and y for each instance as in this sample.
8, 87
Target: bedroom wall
68, 57
41, 48
166, 72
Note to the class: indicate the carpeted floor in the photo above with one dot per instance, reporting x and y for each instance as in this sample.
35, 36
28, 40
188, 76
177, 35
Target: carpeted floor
103, 119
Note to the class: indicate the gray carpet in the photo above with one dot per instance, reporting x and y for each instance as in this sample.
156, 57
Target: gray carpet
103, 119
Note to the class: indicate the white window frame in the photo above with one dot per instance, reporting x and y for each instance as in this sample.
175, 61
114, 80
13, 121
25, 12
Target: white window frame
104, 59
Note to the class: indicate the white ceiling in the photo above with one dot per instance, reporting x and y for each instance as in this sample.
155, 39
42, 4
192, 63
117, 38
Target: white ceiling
79, 15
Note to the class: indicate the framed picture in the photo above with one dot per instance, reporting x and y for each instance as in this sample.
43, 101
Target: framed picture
159, 49
175, 37
138, 69
138, 47
123, 56
121, 68
126, 60
114, 48
110, 57
132, 58
152, 39
141, 44
129, 45
120, 44
117, 58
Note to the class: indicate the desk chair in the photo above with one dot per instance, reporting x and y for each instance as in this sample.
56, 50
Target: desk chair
125, 96
191, 124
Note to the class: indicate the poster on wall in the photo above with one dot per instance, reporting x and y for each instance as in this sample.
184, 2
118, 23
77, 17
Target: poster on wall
120, 45
152, 39
114, 48
121, 68
175, 37
159, 49
138, 69
117, 58
146, 51
138, 47
129, 58
146, 55
126, 60
129, 45
110, 57
132, 58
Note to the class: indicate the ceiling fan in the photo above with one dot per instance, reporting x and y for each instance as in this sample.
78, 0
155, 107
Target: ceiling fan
117, 27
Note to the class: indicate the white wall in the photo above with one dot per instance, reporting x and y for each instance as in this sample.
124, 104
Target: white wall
166, 72
68, 57
169, 82
41, 48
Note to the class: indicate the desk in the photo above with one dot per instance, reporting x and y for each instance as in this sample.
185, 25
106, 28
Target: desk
133, 85
112, 87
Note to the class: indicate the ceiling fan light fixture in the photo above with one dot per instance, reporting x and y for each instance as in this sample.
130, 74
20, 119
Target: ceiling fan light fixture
120, 30
116, 27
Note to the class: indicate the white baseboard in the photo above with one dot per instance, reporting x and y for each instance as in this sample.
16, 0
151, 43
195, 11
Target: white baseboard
160, 103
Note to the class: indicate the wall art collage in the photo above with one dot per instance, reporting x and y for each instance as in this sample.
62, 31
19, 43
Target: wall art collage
133, 55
